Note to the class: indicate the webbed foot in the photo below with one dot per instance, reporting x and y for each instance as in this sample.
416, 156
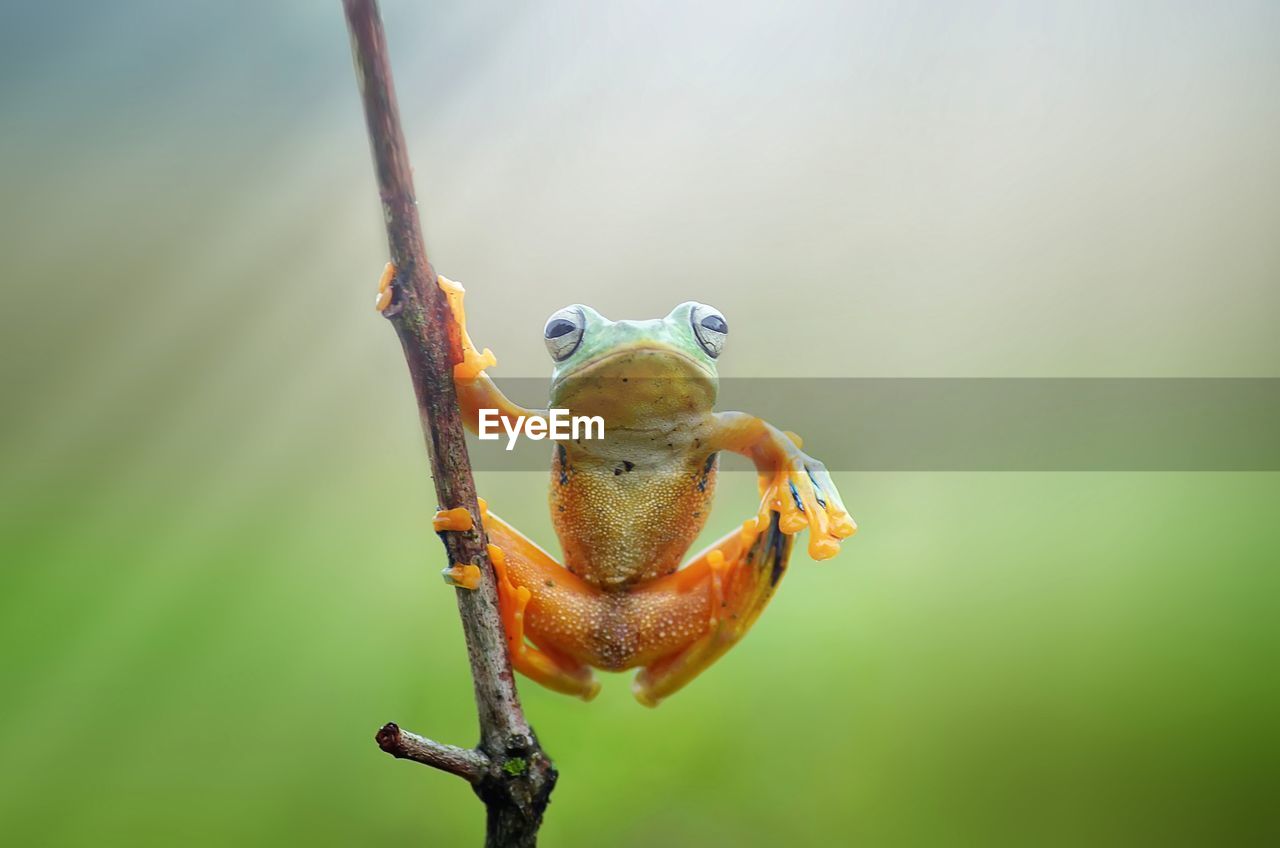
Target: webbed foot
803, 494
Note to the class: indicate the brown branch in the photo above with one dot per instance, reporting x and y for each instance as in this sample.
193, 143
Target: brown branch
511, 773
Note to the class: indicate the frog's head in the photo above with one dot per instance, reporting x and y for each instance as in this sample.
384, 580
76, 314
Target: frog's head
630, 369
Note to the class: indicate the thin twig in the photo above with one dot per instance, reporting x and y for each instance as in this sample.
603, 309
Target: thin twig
514, 777
466, 763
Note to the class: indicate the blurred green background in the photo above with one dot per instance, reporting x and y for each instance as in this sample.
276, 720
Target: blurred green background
218, 578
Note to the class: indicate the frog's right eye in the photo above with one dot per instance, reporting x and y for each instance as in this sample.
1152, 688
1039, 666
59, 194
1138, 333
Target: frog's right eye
563, 332
709, 328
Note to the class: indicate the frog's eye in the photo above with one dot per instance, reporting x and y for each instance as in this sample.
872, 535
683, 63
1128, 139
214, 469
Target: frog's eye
563, 332
710, 328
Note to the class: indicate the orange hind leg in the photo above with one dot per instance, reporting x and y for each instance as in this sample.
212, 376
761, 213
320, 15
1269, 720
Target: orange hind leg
520, 564
739, 574
558, 625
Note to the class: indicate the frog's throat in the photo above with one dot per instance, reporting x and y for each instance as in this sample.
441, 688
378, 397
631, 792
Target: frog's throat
599, 366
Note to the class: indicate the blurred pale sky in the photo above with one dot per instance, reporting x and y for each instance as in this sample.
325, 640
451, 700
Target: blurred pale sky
908, 189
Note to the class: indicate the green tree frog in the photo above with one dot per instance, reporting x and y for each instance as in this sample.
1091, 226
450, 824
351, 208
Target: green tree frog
627, 507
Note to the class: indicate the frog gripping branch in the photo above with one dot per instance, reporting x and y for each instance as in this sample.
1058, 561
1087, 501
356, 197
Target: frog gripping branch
626, 507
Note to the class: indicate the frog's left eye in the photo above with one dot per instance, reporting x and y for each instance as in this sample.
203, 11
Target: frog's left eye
563, 332
710, 328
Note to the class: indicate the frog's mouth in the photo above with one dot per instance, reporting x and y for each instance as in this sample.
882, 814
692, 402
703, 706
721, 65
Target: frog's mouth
653, 376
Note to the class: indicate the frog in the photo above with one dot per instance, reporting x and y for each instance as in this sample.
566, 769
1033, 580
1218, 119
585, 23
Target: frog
627, 507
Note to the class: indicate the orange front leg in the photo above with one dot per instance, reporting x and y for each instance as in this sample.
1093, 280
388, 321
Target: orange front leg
792, 484
475, 390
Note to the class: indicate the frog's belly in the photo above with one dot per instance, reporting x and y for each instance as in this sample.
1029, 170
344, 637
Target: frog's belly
624, 522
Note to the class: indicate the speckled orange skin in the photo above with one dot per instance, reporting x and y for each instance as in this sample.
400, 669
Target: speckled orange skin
674, 626
621, 525
627, 508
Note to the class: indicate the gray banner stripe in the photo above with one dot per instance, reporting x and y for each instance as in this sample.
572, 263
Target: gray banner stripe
928, 424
